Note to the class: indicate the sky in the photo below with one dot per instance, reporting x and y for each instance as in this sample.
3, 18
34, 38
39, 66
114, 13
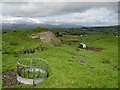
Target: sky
60, 13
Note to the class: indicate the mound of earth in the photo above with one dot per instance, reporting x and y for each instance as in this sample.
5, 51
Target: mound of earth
46, 36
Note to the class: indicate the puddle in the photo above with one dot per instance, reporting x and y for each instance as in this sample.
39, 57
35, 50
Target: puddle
91, 67
81, 62
94, 49
79, 56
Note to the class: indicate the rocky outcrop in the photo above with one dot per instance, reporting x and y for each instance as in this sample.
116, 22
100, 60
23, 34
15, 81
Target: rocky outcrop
46, 37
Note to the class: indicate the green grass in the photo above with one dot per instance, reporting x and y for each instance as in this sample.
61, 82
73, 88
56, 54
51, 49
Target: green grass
64, 70
31, 75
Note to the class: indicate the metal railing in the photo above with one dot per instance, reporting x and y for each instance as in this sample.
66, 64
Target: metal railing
31, 70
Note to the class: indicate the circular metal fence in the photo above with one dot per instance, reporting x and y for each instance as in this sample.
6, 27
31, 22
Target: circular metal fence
31, 70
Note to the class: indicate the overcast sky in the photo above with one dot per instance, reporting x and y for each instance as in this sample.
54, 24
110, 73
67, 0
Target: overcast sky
57, 13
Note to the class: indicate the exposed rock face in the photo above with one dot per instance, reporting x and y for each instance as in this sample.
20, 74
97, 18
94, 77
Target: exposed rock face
46, 37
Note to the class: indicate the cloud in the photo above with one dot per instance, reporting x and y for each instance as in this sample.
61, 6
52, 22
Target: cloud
60, 1
57, 13
43, 9
80, 15
23, 20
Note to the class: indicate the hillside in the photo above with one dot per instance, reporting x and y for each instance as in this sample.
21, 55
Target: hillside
69, 66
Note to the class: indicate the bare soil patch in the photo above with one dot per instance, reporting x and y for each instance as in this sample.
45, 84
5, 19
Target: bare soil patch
94, 49
35, 49
10, 78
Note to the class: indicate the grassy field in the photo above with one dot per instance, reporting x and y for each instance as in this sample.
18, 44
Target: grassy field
65, 67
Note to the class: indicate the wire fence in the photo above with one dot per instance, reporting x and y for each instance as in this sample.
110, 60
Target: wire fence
31, 70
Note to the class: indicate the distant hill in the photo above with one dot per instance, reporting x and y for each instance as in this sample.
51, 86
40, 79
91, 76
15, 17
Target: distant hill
32, 26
